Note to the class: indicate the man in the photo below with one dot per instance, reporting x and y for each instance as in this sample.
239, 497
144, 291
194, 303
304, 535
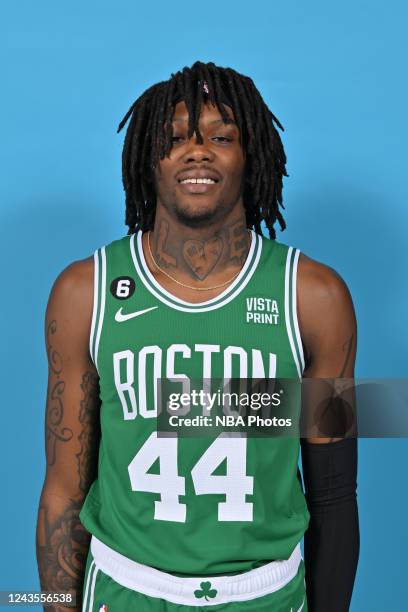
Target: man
177, 297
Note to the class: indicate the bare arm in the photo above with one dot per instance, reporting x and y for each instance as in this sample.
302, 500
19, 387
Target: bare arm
328, 329
71, 433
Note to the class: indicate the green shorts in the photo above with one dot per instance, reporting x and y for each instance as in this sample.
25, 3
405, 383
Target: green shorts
154, 591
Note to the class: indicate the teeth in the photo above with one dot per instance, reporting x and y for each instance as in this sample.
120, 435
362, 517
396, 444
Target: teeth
207, 181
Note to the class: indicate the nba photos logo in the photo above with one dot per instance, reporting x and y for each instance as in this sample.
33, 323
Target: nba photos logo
103, 608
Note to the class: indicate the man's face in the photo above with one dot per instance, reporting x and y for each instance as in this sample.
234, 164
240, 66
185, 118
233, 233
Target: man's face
220, 158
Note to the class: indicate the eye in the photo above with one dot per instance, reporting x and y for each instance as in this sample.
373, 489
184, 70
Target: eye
176, 139
223, 138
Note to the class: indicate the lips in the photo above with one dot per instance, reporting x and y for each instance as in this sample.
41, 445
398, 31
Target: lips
202, 174
197, 187
202, 180
198, 180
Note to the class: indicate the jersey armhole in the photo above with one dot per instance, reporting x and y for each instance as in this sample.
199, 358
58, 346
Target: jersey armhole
99, 289
291, 318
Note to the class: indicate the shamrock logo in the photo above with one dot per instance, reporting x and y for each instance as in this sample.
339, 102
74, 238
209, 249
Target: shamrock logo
206, 591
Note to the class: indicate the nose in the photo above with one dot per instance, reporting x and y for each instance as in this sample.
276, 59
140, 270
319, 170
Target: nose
196, 152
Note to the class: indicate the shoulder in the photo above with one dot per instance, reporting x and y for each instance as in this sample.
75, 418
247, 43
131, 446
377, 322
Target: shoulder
324, 304
320, 282
75, 283
71, 299
75, 280
321, 291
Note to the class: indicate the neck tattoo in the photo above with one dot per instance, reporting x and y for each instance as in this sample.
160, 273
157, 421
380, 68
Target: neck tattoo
183, 284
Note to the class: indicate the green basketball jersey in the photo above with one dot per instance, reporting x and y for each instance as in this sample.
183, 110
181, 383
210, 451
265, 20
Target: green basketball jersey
193, 506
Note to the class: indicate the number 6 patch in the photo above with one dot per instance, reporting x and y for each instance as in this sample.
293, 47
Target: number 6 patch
122, 287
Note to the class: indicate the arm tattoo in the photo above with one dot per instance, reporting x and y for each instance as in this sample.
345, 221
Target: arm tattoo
90, 432
54, 358
54, 429
62, 541
62, 549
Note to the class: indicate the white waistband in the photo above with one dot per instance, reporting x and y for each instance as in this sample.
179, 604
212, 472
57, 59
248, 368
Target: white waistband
197, 591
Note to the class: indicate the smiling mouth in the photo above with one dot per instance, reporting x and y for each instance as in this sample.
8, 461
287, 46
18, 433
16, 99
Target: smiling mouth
198, 181
197, 185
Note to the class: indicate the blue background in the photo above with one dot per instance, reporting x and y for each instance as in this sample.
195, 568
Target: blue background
335, 76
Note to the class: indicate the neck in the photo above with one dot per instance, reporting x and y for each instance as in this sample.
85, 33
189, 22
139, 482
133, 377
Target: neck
205, 254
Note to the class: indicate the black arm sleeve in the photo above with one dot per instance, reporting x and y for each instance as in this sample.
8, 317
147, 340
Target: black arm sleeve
332, 541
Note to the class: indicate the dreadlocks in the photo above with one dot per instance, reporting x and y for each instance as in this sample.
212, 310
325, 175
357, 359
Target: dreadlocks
149, 139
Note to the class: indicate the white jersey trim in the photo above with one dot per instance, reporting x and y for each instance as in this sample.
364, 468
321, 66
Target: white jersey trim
301, 607
88, 581
95, 305
289, 310
152, 582
102, 303
92, 591
294, 311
